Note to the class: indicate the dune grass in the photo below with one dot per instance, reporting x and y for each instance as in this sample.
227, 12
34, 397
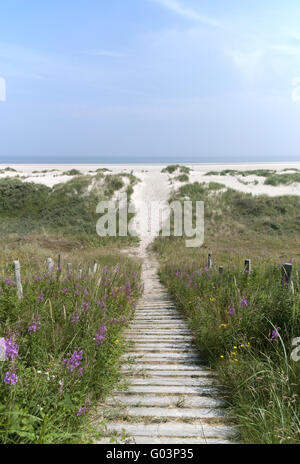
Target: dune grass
62, 342
235, 172
66, 209
243, 324
283, 179
172, 168
182, 178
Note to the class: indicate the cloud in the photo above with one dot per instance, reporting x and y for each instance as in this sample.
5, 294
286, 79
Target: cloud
296, 89
189, 13
108, 53
247, 62
2, 90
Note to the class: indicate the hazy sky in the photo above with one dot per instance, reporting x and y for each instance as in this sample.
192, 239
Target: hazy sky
149, 80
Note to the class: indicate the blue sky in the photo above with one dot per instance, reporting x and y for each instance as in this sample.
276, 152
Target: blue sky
149, 80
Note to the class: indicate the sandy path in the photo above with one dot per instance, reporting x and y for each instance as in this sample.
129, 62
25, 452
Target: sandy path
154, 188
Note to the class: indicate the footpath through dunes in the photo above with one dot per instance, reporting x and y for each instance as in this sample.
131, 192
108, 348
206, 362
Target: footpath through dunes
172, 396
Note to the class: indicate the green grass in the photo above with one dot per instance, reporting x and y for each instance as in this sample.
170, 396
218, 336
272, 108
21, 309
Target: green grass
66, 209
260, 378
234, 172
49, 403
72, 172
172, 168
283, 179
182, 178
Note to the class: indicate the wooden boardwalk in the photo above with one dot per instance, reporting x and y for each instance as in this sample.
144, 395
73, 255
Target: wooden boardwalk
173, 397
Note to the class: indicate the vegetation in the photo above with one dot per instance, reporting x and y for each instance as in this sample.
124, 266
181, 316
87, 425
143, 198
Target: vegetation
285, 179
72, 172
66, 209
61, 346
234, 172
243, 323
182, 178
172, 168
272, 178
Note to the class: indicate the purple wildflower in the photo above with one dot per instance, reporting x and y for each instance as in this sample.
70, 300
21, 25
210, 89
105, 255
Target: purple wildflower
65, 290
275, 334
244, 302
40, 298
8, 281
100, 335
80, 412
85, 305
75, 319
231, 311
34, 327
10, 378
11, 349
74, 361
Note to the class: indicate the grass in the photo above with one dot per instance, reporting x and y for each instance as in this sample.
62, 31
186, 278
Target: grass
271, 177
243, 324
72, 172
234, 172
53, 395
234, 317
172, 168
66, 209
182, 178
283, 179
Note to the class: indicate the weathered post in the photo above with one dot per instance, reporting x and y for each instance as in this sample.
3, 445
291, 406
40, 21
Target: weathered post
248, 266
69, 268
50, 264
17, 269
209, 261
59, 262
221, 269
286, 274
95, 266
80, 274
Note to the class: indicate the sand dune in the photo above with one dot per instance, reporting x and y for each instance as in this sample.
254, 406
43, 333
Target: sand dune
157, 186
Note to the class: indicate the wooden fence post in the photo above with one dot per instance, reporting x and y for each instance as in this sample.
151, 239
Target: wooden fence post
69, 267
59, 262
248, 266
50, 264
80, 273
209, 261
95, 266
17, 270
286, 274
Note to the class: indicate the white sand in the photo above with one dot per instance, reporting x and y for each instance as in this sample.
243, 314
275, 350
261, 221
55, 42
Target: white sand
155, 186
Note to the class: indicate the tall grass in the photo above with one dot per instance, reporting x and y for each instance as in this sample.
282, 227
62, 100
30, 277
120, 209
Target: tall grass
66, 209
61, 348
244, 325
